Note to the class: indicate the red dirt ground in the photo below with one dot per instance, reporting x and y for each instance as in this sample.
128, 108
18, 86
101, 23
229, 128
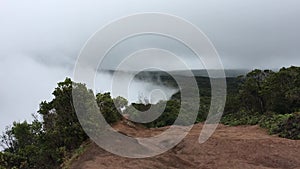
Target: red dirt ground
229, 148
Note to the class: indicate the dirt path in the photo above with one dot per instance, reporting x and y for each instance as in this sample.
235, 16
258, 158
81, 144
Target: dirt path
230, 147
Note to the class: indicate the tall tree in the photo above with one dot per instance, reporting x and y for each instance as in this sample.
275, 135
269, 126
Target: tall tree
250, 90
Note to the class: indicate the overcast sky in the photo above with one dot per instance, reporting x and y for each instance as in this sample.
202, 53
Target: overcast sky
40, 40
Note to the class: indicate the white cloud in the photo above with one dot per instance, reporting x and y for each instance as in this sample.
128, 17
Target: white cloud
40, 40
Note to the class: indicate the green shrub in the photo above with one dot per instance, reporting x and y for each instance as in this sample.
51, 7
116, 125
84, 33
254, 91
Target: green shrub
10, 160
272, 122
290, 128
285, 125
241, 118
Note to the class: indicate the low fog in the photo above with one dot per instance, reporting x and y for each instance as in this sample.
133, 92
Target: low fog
139, 90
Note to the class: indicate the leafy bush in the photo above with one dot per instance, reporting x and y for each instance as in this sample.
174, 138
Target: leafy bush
272, 122
241, 118
110, 112
290, 128
286, 125
169, 115
10, 160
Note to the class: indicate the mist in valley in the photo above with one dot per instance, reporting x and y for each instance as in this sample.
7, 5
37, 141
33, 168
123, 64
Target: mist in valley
147, 88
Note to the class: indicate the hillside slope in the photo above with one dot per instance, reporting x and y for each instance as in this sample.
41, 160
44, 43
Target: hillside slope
230, 147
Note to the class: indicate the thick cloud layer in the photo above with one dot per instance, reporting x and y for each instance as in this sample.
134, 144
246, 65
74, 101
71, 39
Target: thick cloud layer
40, 40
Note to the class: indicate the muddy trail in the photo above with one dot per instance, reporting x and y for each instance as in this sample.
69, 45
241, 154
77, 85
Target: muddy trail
240, 147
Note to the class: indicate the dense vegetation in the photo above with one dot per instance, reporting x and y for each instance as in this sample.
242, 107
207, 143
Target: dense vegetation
270, 99
44, 144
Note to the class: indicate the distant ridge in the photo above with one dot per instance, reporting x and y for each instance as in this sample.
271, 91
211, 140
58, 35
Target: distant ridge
197, 73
